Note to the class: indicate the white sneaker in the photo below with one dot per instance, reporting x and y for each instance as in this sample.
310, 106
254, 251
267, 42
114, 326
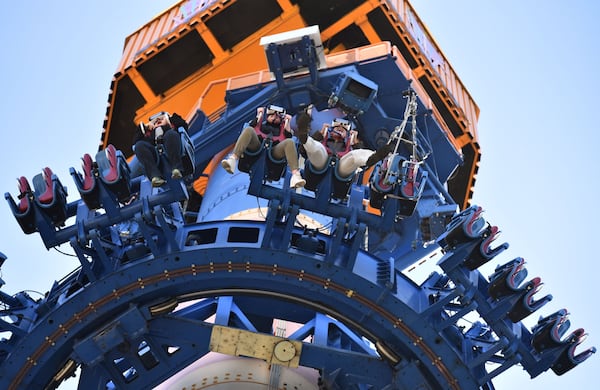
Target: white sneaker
229, 164
296, 181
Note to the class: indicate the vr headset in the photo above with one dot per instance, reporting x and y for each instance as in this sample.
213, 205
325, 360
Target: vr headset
273, 109
158, 115
143, 126
342, 122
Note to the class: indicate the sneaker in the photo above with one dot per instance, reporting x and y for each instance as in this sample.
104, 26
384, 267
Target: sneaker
176, 174
157, 181
297, 181
229, 163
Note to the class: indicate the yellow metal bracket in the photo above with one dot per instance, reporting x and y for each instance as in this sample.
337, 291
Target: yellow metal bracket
273, 349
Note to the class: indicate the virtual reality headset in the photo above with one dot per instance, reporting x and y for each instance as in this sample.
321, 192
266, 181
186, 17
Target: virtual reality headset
342, 122
273, 109
158, 115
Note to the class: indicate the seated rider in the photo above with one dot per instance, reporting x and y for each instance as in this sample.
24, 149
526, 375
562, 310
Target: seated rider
274, 125
336, 139
161, 129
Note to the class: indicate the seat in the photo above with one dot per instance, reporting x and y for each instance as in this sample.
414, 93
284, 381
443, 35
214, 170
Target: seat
87, 184
506, 278
506, 281
382, 180
397, 178
527, 304
568, 359
114, 172
412, 180
111, 174
549, 330
51, 196
386, 173
341, 185
248, 159
274, 168
484, 251
463, 227
24, 211
547, 339
314, 176
327, 179
44, 186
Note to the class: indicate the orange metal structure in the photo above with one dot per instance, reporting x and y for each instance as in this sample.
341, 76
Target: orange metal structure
213, 48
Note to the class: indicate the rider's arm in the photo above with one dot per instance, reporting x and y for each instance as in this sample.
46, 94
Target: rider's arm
353, 137
286, 124
321, 134
259, 114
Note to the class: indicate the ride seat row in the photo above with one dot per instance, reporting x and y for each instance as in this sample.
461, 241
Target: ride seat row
47, 200
110, 171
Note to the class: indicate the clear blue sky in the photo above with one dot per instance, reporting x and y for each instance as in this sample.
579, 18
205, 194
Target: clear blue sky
532, 67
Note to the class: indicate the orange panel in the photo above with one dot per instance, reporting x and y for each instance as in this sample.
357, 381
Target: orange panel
247, 57
206, 86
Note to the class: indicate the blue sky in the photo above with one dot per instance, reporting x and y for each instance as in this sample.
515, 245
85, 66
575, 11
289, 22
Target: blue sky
531, 66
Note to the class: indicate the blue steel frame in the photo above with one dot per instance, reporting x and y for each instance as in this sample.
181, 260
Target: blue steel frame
117, 318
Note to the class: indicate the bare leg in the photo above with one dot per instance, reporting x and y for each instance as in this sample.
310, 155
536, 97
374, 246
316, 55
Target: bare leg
316, 152
353, 160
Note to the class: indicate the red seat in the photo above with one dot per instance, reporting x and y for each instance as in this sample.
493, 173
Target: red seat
88, 176
48, 195
113, 172
411, 186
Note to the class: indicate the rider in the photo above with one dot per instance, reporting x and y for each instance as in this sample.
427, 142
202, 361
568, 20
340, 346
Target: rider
160, 129
274, 124
340, 140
